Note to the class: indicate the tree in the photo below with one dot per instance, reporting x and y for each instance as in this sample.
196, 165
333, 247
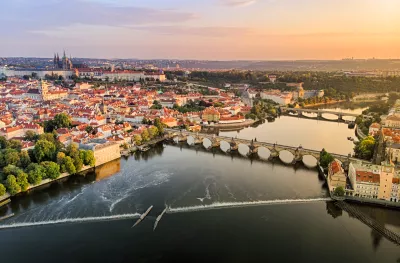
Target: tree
52, 169
145, 135
325, 158
24, 159
365, 148
2, 160
153, 131
44, 150
78, 163
138, 139
62, 120
36, 173
159, 125
12, 186
22, 180
89, 158
89, 129
31, 136
339, 191
11, 157
69, 165
2, 190
15, 144
3, 142
60, 161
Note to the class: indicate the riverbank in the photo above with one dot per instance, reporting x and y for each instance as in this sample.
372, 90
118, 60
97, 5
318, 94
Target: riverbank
323, 103
7, 196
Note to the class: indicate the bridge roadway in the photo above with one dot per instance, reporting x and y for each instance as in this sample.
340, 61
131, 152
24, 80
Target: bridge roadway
338, 113
257, 144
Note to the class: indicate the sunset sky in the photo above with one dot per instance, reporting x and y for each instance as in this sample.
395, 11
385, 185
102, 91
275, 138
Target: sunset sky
202, 29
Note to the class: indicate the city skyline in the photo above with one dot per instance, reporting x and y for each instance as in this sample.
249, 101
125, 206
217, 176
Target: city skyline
209, 29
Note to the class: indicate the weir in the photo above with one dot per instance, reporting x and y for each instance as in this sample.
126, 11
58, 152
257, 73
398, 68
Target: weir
225, 205
70, 220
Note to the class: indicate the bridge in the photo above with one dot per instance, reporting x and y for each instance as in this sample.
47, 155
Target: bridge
319, 112
250, 147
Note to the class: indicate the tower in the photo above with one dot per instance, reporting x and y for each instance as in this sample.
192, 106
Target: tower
43, 89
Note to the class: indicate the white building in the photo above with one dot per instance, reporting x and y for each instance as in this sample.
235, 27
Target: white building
283, 98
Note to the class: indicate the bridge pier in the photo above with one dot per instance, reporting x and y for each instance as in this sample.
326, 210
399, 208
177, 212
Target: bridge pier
234, 146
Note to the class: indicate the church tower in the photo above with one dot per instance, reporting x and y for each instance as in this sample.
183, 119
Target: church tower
43, 89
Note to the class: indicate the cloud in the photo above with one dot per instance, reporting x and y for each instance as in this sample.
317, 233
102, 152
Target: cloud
238, 3
44, 14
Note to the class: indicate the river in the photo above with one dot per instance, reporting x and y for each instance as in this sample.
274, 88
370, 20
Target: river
223, 208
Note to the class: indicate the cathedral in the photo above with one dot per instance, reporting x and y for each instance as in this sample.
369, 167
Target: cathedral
64, 64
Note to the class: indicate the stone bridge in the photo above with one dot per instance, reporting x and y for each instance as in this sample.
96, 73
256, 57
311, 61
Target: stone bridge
245, 147
319, 112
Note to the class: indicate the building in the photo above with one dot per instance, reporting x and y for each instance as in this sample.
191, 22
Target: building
210, 114
104, 151
374, 129
336, 175
42, 92
19, 131
64, 64
386, 182
392, 121
272, 78
365, 179
282, 98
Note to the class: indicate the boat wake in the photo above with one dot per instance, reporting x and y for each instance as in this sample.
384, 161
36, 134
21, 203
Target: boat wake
70, 220
222, 205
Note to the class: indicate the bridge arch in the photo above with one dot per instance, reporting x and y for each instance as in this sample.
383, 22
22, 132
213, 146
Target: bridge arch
286, 156
190, 140
224, 146
264, 153
329, 116
310, 161
207, 143
244, 149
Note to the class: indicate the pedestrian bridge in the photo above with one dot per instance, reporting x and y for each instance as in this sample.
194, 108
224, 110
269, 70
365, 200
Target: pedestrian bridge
319, 113
264, 150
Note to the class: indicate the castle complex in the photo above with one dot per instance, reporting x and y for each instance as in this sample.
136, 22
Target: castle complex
64, 64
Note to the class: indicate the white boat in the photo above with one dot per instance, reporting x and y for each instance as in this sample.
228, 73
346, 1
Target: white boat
143, 216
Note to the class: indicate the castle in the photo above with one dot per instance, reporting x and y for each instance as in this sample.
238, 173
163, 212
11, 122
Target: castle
64, 64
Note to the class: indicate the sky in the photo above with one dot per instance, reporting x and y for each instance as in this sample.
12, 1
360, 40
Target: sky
202, 29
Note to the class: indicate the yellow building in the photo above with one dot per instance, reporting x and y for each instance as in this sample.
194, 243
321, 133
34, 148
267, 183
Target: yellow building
211, 114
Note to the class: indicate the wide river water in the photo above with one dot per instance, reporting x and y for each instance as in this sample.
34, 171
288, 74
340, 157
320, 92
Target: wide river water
223, 208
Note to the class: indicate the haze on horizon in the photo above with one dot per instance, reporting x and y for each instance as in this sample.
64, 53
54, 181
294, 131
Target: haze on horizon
202, 29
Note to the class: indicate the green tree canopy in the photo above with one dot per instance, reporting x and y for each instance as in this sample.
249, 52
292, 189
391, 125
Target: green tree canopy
145, 135
325, 158
69, 165
365, 148
3, 142
12, 186
159, 125
2, 189
138, 139
44, 150
24, 159
11, 156
36, 173
22, 180
339, 191
153, 131
52, 169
